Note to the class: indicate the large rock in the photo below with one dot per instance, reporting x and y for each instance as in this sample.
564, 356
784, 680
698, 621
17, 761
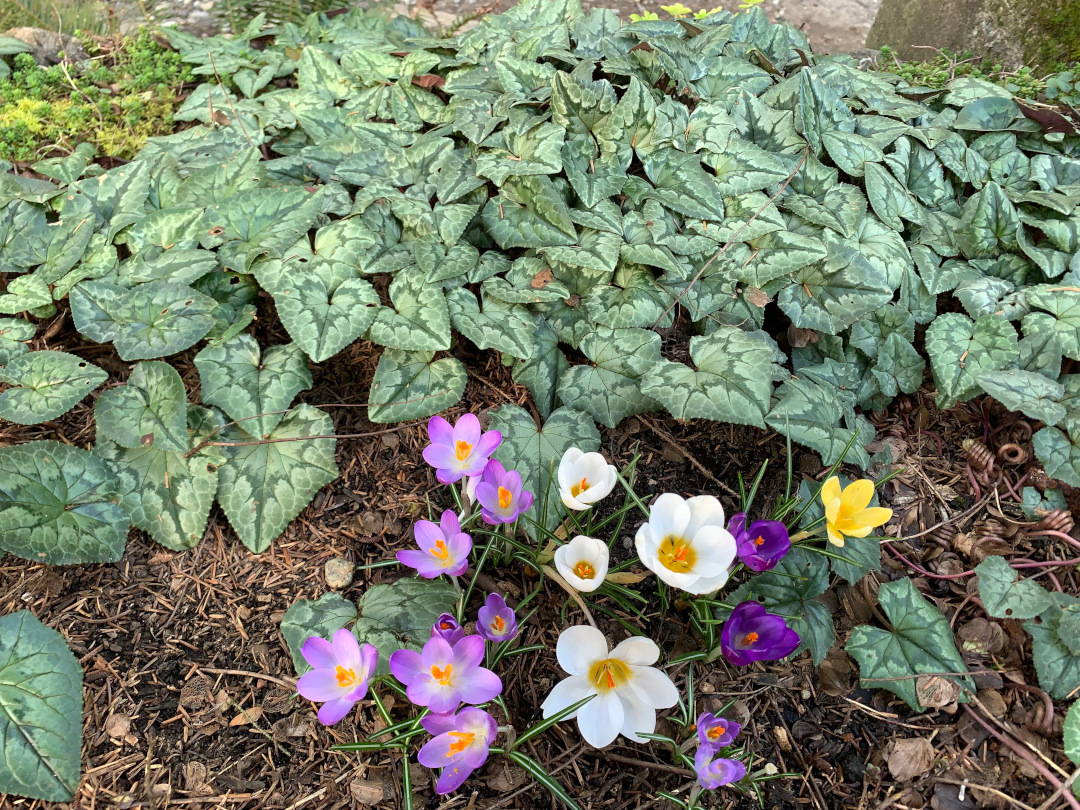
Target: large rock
46, 46
1040, 33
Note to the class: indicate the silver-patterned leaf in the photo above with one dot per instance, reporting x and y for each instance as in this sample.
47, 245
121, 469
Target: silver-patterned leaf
609, 389
57, 505
254, 388
832, 294
1032, 394
150, 410
507, 328
267, 483
419, 319
962, 350
45, 385
15, 333
732, 383
412, 385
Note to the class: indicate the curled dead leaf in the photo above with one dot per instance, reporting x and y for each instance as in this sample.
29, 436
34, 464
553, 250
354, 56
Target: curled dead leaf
909, 758
627, 577
936, 691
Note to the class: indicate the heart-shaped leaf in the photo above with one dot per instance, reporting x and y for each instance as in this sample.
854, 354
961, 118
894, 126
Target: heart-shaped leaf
412, 385
1006, 597
46, 385
149, 411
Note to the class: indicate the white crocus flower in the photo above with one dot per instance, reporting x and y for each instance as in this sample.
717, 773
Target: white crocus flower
685, 543
628, 690
584, 479
583, 562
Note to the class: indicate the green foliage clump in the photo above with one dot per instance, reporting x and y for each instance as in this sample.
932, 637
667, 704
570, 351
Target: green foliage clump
115, 100
936, 73
67, 17
1064, 86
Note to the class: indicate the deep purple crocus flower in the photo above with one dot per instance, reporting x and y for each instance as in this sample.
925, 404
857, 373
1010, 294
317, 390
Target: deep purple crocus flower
714, 773
751, 634
761, 545
716, 732
496, 620
444, 548
443, 677
460, 745
500, 494
459, 450
448, 629
339, 674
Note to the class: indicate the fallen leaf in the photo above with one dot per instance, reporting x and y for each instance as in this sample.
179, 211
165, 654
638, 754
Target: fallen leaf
367, 792
836, 673
627, 577
118, 725
909, 758
936, 691
247, 716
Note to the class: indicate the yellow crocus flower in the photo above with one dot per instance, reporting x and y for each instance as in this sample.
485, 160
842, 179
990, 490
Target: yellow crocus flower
848, 513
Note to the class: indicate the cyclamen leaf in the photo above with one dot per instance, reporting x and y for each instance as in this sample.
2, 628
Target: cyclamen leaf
413, 385
150, 410
57, 505
25, 293
899, 366
778, 254
851, 152
830, 295
889, 199
962, 350
41, 725
168, 495
153, 320
682, 185
15, 333
421, 321
988, 224
1064, 319
1056, 663
811, 414
1059, 454
1072, 734
508, 328
1004, 597
254, 388
45, 385
400, 615
542, 372
742, 166
538, 151
264, 485
259, 222
609, 390
794, 588
1032, 394
921, 642
320, 617
731, 384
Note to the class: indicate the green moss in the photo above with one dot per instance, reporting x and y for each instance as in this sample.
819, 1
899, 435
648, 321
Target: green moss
115, 101
1053, 39
939, 71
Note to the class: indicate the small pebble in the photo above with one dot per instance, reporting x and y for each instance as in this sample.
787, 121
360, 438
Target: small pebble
339, 573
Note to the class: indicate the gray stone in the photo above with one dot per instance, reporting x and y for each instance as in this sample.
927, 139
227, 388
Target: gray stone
1039, 33
339, 573
46, 46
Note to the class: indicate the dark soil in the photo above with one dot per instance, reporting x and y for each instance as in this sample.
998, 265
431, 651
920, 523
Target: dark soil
189, 699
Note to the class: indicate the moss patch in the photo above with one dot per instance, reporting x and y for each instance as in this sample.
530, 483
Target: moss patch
117, 100
1053, 41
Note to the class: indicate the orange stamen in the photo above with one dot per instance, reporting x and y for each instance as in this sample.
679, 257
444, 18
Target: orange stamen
462, 740
715, 732
442, 675
577, 489
499, 624
345, 677
584, 570
463, 450
504, 498
750, 638
759, 541
440, 550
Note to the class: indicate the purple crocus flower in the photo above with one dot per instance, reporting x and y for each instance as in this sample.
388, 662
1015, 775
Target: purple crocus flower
459, 450
761, 545
444, 548
714, 773
448, 629
443, 677
339, 674
716, 732
751, 634
459, 747
496, 620
500, 494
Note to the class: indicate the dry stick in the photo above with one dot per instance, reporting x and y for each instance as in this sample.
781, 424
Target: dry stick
1023, 754
228, 98
731, 241
663, 434
1067, 785
994, 791
261, 676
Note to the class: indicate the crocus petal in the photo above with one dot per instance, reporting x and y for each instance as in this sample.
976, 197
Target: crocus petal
436, 752
705, 510
488, 444
653, 687
452, 778
830, 490
319, 685
716, 549
441, 456
369, 659
567, 465
406, 666
422, 562
566, 693
467, 429
440, 431
579, 647
857, 495
468, 653
638, 718
436, 724
637, 651
318, 652
479, 686
669, 515
835, 537
346, 649
832, 510
332, 711
873, 516
601, 719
